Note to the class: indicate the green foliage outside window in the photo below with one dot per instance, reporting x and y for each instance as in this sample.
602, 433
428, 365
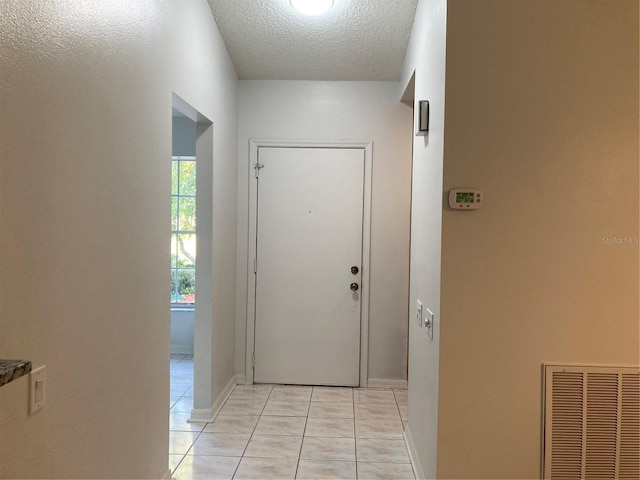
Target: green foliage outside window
183, 229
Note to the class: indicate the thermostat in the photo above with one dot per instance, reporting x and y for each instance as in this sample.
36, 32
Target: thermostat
465, 199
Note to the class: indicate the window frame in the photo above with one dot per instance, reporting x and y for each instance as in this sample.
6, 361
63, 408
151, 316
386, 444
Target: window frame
174, 268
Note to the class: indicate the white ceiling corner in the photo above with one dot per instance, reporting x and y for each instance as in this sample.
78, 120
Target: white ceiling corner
355, 40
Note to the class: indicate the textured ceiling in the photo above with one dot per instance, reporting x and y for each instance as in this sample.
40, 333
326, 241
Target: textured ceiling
355, 40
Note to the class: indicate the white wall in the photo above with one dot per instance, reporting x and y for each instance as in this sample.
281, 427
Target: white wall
85, 147
292, 110
542, 114
426, 55
182, 329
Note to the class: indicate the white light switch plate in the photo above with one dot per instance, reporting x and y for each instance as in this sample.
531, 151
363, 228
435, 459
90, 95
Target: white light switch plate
37, 389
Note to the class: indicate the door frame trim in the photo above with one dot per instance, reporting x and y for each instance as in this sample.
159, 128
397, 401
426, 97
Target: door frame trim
367, 147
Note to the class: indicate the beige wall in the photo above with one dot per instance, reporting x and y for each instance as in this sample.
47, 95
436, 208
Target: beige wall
542, 115
330, 111
86, 92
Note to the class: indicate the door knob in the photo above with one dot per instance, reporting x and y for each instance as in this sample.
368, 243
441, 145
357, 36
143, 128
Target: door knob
354, 287
355, 270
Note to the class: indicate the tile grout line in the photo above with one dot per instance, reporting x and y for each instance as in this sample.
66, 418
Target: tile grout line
398, 408
194, 441
252, 431
295, 475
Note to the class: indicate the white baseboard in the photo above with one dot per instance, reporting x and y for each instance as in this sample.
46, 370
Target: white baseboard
387, 383
413, 454
240, 379
206, 415
201, 415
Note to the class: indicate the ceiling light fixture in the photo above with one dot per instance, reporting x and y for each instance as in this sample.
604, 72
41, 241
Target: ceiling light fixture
312, 7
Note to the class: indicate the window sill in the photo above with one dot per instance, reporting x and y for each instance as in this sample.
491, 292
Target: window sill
180, 308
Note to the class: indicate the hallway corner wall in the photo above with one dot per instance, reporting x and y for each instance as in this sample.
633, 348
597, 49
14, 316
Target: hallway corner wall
85, 154
426, 57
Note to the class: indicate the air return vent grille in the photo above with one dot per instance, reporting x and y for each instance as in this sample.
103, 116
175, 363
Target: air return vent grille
592, 423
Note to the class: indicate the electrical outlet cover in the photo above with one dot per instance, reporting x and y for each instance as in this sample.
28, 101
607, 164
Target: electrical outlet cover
429, 322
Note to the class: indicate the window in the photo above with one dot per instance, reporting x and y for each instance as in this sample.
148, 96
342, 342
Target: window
183, 231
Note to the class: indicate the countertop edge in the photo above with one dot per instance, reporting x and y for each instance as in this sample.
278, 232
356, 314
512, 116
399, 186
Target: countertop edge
11, 370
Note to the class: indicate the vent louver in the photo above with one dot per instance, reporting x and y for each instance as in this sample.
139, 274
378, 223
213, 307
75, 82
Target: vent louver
592, 423
629, 464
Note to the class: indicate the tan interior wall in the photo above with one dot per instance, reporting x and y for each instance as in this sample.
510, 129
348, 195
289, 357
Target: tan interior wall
542, 115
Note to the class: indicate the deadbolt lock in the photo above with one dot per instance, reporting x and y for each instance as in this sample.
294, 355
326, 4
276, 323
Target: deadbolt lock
355, 270
354, 287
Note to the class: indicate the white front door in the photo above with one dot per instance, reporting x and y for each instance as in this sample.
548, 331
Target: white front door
309, 236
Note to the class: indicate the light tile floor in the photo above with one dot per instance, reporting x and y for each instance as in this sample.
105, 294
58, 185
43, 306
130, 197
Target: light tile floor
287, 432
